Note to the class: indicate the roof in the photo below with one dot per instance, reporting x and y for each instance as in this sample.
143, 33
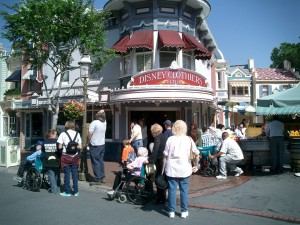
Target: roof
274, 74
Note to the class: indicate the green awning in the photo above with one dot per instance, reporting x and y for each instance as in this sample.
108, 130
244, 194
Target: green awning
282, 103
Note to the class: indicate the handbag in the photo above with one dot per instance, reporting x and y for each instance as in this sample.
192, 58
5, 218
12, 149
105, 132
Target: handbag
150, 169
192, 154
161, 182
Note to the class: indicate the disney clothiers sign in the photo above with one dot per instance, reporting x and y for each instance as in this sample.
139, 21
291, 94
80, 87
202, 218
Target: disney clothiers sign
168, 77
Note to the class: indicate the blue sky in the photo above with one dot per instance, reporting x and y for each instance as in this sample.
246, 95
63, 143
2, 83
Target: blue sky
246, 29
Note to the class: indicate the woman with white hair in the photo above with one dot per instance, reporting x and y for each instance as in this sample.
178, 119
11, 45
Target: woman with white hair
178, 167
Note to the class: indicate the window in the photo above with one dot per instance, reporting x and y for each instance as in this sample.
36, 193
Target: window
187, 14
240, 91
233, 91
126, 64
238, 74
265, 90
144, 61
65, 77
246, 90
142, 10
167, 10
221, 83
187, 61
285, 87
166, 56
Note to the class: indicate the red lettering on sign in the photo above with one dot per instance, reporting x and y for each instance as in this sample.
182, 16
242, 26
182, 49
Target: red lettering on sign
169, 77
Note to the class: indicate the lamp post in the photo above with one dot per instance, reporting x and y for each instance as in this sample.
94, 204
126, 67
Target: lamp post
85, 65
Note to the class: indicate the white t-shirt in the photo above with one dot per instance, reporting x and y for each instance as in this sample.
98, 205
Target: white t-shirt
177, 151
231, 148
137, 131
64, 139
98, 129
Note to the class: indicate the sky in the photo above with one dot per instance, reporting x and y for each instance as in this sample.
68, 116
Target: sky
244, 29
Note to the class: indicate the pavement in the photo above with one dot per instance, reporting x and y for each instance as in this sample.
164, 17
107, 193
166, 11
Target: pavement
254, 193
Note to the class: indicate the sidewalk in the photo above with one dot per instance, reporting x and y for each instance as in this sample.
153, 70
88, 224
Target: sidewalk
271, 196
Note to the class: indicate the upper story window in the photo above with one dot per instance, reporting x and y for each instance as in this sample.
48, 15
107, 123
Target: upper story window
65, 77
144, 60
126, 64
142, 10
124, 16
167, 10
187, 60
187, 14
265, 90
221, 80
166, 56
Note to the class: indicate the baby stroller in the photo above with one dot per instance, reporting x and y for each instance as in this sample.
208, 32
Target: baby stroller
206, 164
138, 189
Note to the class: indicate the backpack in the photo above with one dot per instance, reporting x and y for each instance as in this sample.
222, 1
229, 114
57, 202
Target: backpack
71, 148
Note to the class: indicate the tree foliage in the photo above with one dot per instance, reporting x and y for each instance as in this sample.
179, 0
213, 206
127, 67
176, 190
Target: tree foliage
286, 51
50, 31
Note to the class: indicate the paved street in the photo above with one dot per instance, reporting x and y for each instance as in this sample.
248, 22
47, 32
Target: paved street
19, 206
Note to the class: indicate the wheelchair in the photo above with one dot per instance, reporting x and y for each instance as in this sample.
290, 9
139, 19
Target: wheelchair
136, 189
36, 177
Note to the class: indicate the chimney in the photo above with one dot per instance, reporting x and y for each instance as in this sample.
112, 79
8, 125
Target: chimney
286, 65
251, 65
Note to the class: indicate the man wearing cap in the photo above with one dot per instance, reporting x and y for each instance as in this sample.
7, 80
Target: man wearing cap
168, 127
28, 162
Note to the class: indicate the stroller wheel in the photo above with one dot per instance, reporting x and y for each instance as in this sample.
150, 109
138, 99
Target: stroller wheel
208, 172
213, 167
122, 198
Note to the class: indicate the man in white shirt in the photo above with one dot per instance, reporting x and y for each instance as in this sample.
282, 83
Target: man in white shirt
230, 155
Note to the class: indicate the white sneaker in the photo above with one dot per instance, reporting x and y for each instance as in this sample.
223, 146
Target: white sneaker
184, 214
111, 192
18, 178
239, 173
172, 214
219, 177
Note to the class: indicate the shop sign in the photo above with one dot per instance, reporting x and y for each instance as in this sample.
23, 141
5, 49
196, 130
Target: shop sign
168, 77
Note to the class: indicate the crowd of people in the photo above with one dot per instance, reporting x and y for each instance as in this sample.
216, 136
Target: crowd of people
173, 144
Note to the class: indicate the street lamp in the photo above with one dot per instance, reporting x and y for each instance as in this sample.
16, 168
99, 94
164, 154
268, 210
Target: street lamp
85, 66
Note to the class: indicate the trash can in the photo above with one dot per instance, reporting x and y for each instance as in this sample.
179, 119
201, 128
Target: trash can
295, 154
10, 154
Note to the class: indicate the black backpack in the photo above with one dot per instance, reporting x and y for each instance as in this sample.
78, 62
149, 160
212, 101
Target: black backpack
72, 146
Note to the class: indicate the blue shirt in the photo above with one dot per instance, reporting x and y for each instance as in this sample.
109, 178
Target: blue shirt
168, 133
275, 129
32, 157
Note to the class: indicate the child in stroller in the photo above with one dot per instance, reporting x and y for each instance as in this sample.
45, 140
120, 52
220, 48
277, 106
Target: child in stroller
131, 181
206, 164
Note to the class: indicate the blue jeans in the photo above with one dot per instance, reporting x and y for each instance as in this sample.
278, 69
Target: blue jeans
54, 179
184, 189
97, 155
74, 170
136, 144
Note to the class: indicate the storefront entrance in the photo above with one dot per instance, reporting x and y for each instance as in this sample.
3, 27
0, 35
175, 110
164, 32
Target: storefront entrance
151, 117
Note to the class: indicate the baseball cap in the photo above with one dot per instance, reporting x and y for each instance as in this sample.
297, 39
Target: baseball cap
39, 143
168, 123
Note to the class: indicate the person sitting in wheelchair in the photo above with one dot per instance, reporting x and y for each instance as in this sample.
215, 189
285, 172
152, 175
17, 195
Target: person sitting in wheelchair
132, 169
28, 162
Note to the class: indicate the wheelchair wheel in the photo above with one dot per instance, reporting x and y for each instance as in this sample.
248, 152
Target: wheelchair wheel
213, 167
208, 172
46, 181
139, 190
33, 180
122, 198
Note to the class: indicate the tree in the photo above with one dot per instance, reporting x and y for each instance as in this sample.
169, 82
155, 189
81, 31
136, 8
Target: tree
286, 51
50, 31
